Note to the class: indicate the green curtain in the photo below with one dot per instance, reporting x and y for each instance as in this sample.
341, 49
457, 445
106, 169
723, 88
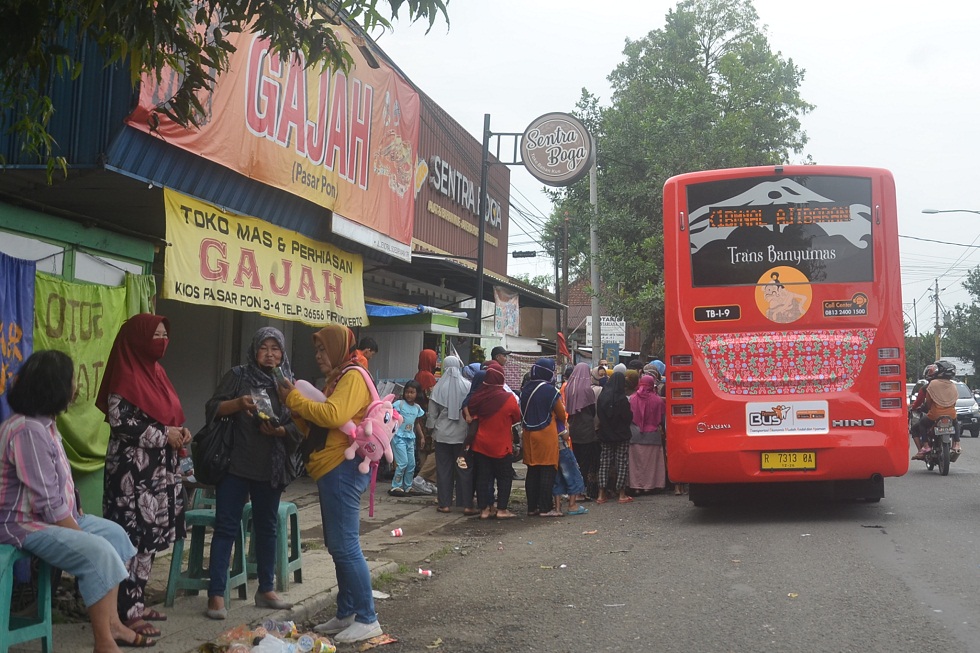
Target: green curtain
140, 291
82, 320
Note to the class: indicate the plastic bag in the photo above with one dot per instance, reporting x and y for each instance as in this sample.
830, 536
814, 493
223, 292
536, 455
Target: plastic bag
263, 407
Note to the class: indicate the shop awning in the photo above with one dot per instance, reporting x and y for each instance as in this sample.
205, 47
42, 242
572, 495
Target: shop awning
460, 277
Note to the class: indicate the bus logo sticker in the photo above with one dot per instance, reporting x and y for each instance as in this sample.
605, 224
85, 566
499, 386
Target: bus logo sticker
783, 294
786, 418
856, 306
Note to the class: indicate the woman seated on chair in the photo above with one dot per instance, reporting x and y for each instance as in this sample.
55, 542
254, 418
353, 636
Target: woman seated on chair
38, 506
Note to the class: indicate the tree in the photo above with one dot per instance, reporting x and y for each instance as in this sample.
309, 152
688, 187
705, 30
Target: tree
962, 338
542, 281
706, 91
40, 41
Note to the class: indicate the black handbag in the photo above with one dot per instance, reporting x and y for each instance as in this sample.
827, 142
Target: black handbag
211, 450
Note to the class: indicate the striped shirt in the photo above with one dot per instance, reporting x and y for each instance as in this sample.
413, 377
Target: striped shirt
36, 486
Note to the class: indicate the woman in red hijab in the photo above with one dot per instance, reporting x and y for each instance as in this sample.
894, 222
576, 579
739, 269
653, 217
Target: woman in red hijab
496, 411
143, 491
427, 367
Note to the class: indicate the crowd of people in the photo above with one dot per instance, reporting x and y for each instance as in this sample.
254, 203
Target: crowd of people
591, 436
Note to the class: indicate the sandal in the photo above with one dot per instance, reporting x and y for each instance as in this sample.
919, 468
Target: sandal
152, 615
441, 509
141, 641
626, 500
142, 628
470, 512
552, 513
600, 501
579, 510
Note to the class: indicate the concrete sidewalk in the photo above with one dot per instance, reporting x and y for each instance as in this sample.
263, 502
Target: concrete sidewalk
187, 628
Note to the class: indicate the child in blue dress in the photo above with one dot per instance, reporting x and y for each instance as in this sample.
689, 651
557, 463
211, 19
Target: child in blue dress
403, 444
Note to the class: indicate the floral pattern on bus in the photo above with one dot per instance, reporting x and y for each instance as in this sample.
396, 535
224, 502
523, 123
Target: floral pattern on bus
775, 362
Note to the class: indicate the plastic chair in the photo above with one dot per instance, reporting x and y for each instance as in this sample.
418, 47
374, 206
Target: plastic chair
289, 553
17, 629
196, 577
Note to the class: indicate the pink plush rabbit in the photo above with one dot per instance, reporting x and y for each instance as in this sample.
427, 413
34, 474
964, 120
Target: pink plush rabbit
371, 439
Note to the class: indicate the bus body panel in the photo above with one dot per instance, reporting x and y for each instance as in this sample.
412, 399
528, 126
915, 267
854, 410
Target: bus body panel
745, 366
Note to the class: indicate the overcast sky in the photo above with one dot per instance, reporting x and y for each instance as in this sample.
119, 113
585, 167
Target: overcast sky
895, 84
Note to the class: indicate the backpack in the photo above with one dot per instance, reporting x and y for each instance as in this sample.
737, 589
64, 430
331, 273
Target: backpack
371, 439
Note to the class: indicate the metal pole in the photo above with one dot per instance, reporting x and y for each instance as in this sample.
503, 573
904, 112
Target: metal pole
564, 274
481, 218
558, 295
593, 265
938, 348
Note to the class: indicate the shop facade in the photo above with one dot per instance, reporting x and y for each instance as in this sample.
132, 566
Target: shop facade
267, 215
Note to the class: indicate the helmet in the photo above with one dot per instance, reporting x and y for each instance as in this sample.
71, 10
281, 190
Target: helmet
930, 371
945, 370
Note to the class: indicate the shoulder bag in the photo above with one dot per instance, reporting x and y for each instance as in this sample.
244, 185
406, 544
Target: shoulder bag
211, 447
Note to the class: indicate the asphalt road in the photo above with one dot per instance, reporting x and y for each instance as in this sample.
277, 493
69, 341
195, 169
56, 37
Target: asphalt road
661, 575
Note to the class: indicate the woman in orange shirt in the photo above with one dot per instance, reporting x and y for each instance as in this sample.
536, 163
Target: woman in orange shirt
542, 410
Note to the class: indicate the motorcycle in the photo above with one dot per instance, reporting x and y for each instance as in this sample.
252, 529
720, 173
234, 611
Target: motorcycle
940, 439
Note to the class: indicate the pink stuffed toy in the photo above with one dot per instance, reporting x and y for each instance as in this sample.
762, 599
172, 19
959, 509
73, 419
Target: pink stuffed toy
371, 439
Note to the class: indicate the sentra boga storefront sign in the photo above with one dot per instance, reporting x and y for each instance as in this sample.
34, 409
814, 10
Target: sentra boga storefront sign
557, 149
346, 141
218, 258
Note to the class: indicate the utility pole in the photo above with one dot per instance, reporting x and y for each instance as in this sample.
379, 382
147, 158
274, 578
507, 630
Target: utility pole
936, 299
564, 273
593, 264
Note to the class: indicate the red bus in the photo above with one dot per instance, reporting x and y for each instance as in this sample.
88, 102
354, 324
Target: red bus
784, 335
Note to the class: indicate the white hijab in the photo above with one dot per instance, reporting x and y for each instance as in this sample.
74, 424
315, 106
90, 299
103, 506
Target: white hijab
451, 388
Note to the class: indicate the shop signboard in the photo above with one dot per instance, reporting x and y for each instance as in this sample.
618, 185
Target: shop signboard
218, 258
346, 141
611, 329
557, 149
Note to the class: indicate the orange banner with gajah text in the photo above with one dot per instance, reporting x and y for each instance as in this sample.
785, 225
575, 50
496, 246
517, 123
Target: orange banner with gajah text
346, 141
218, 258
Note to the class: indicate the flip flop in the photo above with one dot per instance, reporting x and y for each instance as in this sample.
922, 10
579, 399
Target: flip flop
578, 511
153, 615
141, 641
142, 628
441, 509
626, 500
601, 501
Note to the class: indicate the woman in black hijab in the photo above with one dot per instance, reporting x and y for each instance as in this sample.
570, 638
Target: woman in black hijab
615, 416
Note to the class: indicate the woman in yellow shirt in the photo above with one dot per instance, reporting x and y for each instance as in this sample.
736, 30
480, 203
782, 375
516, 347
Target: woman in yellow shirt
339, 481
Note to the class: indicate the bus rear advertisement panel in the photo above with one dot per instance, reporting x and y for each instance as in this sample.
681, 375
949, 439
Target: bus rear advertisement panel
784, 327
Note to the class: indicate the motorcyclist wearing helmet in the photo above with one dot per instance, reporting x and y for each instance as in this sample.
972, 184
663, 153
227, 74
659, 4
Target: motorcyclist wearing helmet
937, 399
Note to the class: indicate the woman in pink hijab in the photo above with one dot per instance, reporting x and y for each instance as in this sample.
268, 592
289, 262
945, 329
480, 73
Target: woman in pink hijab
646, 456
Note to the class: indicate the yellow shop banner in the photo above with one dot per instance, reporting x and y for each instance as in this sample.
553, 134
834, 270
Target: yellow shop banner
217, 258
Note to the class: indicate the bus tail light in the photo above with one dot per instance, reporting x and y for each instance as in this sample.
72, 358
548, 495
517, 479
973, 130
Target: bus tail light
890, 386
682, 393
682, 377
682, 360
890, 402
682, 409
888, 353
889, 370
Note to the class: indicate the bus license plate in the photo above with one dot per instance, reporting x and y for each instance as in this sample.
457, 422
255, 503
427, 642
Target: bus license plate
789, 460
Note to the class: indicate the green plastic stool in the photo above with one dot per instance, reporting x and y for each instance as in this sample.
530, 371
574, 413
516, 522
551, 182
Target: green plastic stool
196, 577
289, 553
14, 630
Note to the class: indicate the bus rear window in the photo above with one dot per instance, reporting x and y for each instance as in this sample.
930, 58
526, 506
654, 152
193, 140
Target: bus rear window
818, 228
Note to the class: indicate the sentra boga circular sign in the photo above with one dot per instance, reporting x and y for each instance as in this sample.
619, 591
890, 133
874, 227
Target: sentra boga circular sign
557, 149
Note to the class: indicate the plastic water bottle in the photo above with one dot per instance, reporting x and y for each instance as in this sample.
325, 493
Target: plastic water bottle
186, 465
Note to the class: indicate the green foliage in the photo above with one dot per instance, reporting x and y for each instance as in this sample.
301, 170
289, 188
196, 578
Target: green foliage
962, 338
39, 42
544, 282
704, 92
